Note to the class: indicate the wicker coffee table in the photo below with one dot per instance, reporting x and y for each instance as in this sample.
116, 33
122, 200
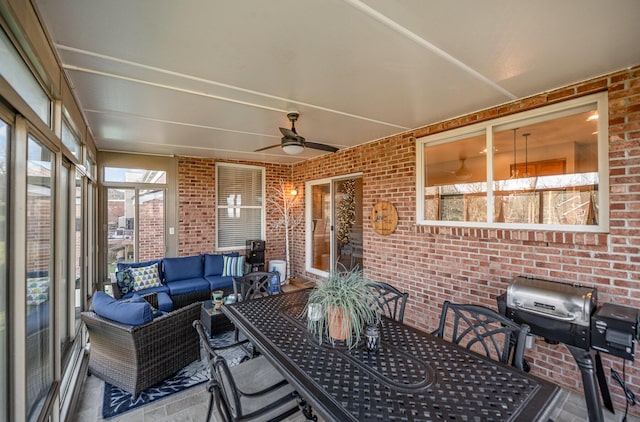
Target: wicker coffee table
214, 321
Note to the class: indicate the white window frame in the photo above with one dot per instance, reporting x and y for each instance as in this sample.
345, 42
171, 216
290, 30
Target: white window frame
70, 139
600, 100
220, 207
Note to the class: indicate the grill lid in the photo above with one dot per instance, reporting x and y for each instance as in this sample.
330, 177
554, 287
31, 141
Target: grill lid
559, 301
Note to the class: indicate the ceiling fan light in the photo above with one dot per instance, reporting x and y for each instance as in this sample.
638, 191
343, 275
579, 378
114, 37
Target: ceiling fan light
293, 149
463, 174
292, 146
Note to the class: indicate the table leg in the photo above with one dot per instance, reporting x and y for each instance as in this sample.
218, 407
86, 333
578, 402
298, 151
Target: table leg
305, 408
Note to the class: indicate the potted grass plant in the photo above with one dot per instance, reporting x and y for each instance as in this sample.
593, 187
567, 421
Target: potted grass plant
343, 306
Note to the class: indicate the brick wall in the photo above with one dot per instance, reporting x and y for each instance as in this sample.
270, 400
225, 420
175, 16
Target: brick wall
464, 264
475, 265
151, 229
197, 207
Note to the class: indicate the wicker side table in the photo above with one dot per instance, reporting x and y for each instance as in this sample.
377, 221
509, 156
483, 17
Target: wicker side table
214, 321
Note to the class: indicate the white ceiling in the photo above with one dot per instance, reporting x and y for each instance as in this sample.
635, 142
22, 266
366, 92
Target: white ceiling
216, 78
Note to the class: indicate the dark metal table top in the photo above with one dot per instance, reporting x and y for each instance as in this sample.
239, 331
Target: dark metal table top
414, 376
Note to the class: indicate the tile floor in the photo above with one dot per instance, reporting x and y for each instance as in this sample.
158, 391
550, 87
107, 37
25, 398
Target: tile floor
191, 405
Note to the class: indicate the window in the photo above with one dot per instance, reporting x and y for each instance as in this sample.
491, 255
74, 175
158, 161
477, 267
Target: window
79, 251
129, 175
4, 144
90, 164
70, 140
541, 169
16, 72
240, 205
39, 281
65, 275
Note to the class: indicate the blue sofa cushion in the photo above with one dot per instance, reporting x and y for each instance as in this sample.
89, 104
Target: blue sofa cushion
164, 302
182, 268
124, 265
217, 282
191, 285
131, 313
136, 298
159, 289
214, 263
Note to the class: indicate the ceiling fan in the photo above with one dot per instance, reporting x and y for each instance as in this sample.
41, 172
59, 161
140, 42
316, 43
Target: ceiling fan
463, 173
292, 143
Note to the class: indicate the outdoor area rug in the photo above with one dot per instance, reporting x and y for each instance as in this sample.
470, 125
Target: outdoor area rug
117, 401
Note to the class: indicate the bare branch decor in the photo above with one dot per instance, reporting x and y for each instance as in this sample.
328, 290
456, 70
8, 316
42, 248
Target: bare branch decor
291, 216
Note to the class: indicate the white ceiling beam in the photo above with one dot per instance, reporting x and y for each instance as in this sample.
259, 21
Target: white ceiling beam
206, 81
391, 24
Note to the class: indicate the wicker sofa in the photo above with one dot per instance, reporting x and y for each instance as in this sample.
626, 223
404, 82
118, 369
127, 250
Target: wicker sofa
186, 279
135, 357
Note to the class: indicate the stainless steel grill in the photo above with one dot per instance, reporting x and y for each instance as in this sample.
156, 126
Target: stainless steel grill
561, 313
556, 311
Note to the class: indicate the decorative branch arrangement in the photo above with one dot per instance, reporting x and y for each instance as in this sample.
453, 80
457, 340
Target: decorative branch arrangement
291, 216
346, 212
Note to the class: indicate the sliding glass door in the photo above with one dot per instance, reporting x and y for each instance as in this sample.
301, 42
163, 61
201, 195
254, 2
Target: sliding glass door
334, 224
136, 225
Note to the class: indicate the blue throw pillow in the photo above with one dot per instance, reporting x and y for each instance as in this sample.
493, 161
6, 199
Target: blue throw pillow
233, 266
145, 277
214, 263
130, 313
124, 281
124, 265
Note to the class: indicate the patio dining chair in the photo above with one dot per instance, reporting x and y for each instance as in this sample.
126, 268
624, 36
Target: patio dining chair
250, 391
485, 331
252, 286
390, 300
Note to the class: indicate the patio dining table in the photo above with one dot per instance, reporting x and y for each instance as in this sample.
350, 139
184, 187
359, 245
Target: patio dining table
414, 376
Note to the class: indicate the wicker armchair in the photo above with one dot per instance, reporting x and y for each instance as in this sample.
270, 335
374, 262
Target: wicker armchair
134, 358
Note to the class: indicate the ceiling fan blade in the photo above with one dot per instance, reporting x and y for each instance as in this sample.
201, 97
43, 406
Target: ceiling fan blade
292, 142
269, 147
321, 147
288, 133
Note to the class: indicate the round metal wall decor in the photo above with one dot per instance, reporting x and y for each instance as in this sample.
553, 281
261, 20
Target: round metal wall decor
384, 217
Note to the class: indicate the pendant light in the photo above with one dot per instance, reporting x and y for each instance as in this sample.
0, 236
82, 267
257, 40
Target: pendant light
526, 154
514, 170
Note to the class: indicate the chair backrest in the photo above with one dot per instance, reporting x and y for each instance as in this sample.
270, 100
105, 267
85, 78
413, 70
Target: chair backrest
485, 331
221, 384
390, 300
254, 285
265, 395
